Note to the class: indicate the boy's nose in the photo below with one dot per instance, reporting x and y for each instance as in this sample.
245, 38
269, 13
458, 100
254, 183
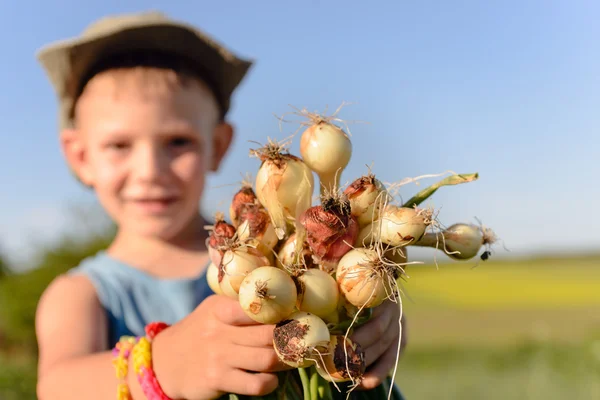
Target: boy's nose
150, 163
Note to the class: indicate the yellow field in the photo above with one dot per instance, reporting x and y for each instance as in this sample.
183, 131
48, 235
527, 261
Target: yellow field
503, 301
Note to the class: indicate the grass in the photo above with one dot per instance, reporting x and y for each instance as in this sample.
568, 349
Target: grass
527, 329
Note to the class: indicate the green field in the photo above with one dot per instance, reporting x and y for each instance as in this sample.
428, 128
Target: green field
526, 329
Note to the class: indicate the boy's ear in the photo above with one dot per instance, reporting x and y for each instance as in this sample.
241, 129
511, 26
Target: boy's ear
222, 138
73, 148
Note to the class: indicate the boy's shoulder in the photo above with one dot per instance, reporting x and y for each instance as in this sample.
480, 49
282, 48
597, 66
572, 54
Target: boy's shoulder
68, 63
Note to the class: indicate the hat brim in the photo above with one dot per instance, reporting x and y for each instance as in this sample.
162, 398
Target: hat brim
66, 62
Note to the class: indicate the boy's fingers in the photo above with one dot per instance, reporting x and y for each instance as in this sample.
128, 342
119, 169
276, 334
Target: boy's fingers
256, 359
375, 329
249, 383
253, 336
229, 311
375, 376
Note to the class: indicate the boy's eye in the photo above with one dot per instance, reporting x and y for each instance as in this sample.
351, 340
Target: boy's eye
180, 142
118, 146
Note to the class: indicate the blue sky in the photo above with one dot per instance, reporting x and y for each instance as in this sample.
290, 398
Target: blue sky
509, 89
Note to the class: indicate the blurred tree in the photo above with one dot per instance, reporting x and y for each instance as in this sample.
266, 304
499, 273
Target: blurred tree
4, 268
20, 292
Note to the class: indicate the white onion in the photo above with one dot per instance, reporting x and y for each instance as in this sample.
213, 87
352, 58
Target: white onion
299, 339
318, 292
362, 278
268, 295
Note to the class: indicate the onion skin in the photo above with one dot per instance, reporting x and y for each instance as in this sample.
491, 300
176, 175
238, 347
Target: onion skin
212, 277
330, 232
221, 234
298, 338
241, 200
286, 256
255, 226
367, 195
284, 186
342, 363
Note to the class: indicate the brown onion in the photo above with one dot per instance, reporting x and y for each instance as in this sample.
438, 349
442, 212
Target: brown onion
331, 230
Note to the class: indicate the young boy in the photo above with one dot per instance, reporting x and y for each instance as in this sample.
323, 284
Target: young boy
143, 101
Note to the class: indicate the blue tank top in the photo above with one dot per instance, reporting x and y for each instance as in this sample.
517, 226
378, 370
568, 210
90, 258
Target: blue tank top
133, 298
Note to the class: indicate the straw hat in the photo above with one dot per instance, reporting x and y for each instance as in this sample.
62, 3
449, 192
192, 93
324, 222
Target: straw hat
68, 62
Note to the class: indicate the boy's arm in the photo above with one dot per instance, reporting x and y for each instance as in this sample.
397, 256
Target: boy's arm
71, 330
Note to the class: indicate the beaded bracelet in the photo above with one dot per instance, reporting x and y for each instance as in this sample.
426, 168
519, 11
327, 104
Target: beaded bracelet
142, 363
121, 353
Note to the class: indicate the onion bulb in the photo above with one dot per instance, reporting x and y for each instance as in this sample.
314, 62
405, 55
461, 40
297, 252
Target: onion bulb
255, 227
299, 339
367, 195
400, 226
235, 265
241, 200
220, 238
344, 360
331, 230
363, 279
268, 295
284, 186
286, 257
461, 241
326, 149
212, 278
317, 292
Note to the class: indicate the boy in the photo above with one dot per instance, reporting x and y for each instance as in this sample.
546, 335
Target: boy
143, 101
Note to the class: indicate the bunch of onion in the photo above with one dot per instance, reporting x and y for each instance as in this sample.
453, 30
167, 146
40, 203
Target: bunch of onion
460, 241
326, 149
330, 230
284, 186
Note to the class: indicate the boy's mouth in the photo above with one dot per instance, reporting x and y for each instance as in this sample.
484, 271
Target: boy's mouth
154, 205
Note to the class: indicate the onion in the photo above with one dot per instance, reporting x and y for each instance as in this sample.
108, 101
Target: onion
367, 195
400, 226
364, 280
268, 295
344, 360
300, 338
255, 227
235, 265
330, 230
326, 149
286, 258
284, 186
220, 238
241, 200
317, 292
461, 241
212, 277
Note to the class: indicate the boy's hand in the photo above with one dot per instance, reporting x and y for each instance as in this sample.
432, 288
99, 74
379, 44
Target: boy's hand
379, 340
217, 349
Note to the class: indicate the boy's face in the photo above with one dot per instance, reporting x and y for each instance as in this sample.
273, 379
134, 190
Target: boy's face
145, 147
